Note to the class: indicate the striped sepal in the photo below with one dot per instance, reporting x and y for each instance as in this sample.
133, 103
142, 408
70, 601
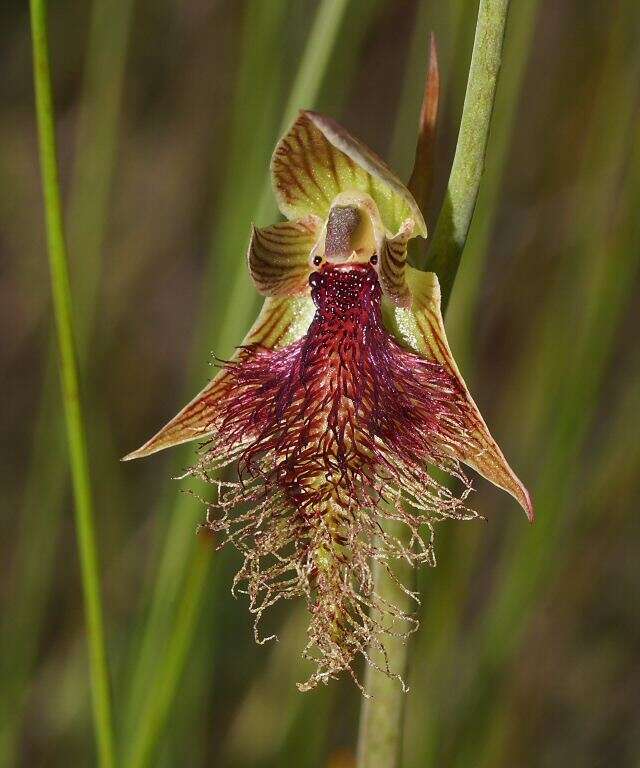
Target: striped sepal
422, 328
391, 268
280, 322
317, 159
278, 256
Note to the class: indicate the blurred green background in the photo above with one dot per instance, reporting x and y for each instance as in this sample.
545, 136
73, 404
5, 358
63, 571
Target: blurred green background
529, 650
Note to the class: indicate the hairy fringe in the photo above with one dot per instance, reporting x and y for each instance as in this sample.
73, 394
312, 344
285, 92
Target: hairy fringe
332, 436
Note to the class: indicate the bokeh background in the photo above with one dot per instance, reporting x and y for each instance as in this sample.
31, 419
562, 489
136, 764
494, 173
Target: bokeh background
167, 112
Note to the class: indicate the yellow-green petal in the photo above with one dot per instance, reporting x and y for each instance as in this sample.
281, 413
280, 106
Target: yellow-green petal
278, 256
318, 159
391, 267
280, 322
421, 327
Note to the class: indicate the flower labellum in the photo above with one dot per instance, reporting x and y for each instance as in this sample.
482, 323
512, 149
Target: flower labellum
338, 401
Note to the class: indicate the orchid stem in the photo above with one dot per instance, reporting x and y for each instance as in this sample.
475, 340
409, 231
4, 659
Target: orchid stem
77, 447
381, 726
382, 715
459, 204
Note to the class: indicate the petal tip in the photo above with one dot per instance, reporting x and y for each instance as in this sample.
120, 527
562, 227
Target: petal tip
514, 486
528, 506
523, 497
176, 432
140, 453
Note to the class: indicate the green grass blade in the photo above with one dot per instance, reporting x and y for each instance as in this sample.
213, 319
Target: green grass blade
78, 458
616, 465
382, 715
170, 671
95, 160
47, 475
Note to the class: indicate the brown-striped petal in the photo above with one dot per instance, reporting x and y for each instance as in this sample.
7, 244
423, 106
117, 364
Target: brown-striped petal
278, 256
391, 268
422, 328
317, 160
280, 322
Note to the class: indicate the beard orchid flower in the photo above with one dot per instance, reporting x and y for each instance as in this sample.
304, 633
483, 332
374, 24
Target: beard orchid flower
338, 401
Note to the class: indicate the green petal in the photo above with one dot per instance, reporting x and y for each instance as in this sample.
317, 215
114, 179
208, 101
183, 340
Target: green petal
280, 322
422, 329
278, 256
317, 160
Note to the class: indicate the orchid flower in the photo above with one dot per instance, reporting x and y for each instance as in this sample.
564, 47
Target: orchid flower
338, 402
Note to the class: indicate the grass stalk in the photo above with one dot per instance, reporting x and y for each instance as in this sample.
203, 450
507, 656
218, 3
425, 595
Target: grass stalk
97, 139
78, 458
380, 739
95, 161
170, 672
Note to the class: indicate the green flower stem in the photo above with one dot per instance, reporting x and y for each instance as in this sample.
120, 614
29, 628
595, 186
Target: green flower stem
459, 204
461, 312
78, 458
382, 717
